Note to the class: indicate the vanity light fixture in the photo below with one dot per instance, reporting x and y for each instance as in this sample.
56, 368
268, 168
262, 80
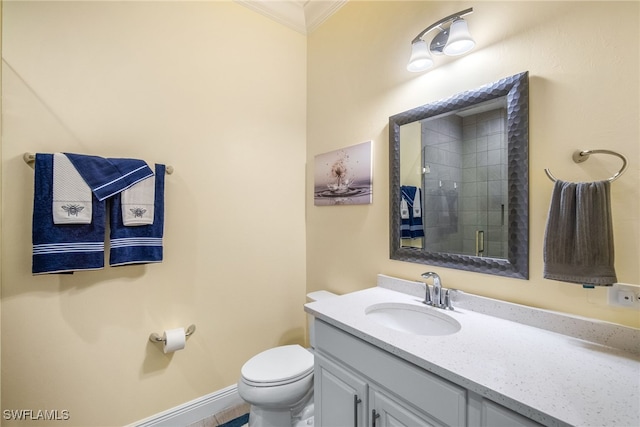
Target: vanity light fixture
453, 40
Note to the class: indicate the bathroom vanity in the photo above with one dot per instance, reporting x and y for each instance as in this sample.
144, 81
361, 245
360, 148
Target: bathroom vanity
504, 364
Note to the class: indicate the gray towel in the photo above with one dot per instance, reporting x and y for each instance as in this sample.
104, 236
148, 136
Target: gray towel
578, 241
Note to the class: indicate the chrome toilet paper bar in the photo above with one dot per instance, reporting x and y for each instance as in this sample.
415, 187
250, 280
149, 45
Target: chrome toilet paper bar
158, 338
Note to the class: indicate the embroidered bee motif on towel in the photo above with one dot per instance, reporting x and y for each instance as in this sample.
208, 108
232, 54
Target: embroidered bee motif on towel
138, 212
72, 210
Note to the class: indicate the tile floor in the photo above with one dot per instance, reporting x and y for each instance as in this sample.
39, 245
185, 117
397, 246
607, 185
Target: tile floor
224, 418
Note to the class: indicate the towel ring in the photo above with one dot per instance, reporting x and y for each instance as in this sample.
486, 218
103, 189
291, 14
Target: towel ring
582, 156
30, 158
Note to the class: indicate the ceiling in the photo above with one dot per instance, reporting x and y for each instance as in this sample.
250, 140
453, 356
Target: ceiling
303, 16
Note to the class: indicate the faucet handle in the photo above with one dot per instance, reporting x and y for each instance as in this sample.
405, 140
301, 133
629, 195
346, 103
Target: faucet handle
447, 299
428, 300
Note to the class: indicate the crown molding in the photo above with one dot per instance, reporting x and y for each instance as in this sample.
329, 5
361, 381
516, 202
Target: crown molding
303, 16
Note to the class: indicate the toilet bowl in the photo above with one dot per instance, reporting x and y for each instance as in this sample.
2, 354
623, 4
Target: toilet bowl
278, 383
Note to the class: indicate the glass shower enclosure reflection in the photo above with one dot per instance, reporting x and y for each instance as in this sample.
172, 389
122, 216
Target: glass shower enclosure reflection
459, 161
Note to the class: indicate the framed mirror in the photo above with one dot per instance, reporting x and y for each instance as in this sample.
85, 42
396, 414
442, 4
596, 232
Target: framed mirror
459, 181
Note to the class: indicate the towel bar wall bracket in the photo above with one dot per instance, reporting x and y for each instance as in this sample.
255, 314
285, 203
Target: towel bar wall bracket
580, 156
154, 337
30, 158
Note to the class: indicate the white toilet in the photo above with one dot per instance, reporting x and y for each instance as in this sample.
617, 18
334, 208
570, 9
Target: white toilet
278, 383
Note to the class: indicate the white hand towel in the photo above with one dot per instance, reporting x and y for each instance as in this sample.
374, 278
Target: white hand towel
71, 194
138, 203
404, 209
417, 204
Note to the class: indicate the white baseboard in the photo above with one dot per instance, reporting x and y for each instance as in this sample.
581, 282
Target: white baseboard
195, 410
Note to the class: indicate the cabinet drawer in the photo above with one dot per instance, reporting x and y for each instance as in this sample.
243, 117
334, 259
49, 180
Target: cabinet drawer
427, 392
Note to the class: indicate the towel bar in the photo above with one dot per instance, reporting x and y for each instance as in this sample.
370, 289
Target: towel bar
582, 156
187, 333
29, 158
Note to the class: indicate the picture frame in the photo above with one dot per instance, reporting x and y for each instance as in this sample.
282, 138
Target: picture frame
344, 176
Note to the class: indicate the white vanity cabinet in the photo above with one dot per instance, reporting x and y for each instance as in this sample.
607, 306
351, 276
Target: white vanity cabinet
517, 367
358, 384
343, 399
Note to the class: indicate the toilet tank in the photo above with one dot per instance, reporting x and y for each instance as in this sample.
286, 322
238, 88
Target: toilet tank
312, 297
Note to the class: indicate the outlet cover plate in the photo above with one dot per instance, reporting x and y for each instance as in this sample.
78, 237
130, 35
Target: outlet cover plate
624, 295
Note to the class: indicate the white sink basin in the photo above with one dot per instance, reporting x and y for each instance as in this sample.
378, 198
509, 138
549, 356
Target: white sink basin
413, 319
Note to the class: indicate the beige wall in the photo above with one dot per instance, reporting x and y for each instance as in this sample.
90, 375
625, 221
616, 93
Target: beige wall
1, 209
583, 60
218, 92
174, 82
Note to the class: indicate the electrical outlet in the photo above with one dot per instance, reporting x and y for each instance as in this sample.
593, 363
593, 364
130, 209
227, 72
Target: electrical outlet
624, 295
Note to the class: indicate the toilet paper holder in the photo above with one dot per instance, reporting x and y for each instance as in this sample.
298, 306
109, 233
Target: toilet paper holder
187, 333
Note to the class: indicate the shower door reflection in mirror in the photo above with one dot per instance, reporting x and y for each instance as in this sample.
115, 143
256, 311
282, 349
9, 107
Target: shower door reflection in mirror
458, 164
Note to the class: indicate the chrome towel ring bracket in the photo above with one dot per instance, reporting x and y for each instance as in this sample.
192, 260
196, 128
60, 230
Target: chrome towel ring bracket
583, 156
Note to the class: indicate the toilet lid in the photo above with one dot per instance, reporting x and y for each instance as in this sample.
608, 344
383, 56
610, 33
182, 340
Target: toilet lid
278, 364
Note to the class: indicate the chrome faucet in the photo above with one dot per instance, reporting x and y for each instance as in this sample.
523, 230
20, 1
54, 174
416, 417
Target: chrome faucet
435, 299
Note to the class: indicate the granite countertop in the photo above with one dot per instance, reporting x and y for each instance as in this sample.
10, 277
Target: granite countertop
553, 378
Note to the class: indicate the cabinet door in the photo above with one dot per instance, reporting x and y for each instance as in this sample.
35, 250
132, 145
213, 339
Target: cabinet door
340, 396
485, 413
495, 415
386, 412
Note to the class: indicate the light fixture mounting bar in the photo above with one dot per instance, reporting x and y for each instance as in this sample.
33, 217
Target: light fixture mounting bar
440, 22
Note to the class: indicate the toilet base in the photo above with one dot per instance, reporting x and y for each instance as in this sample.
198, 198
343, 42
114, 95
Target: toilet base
306, 417
301, 415
259, 417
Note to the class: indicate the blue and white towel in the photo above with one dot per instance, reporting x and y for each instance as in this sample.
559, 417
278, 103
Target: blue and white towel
411, 213
63, 248
107, 177
72, 198
141, 244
